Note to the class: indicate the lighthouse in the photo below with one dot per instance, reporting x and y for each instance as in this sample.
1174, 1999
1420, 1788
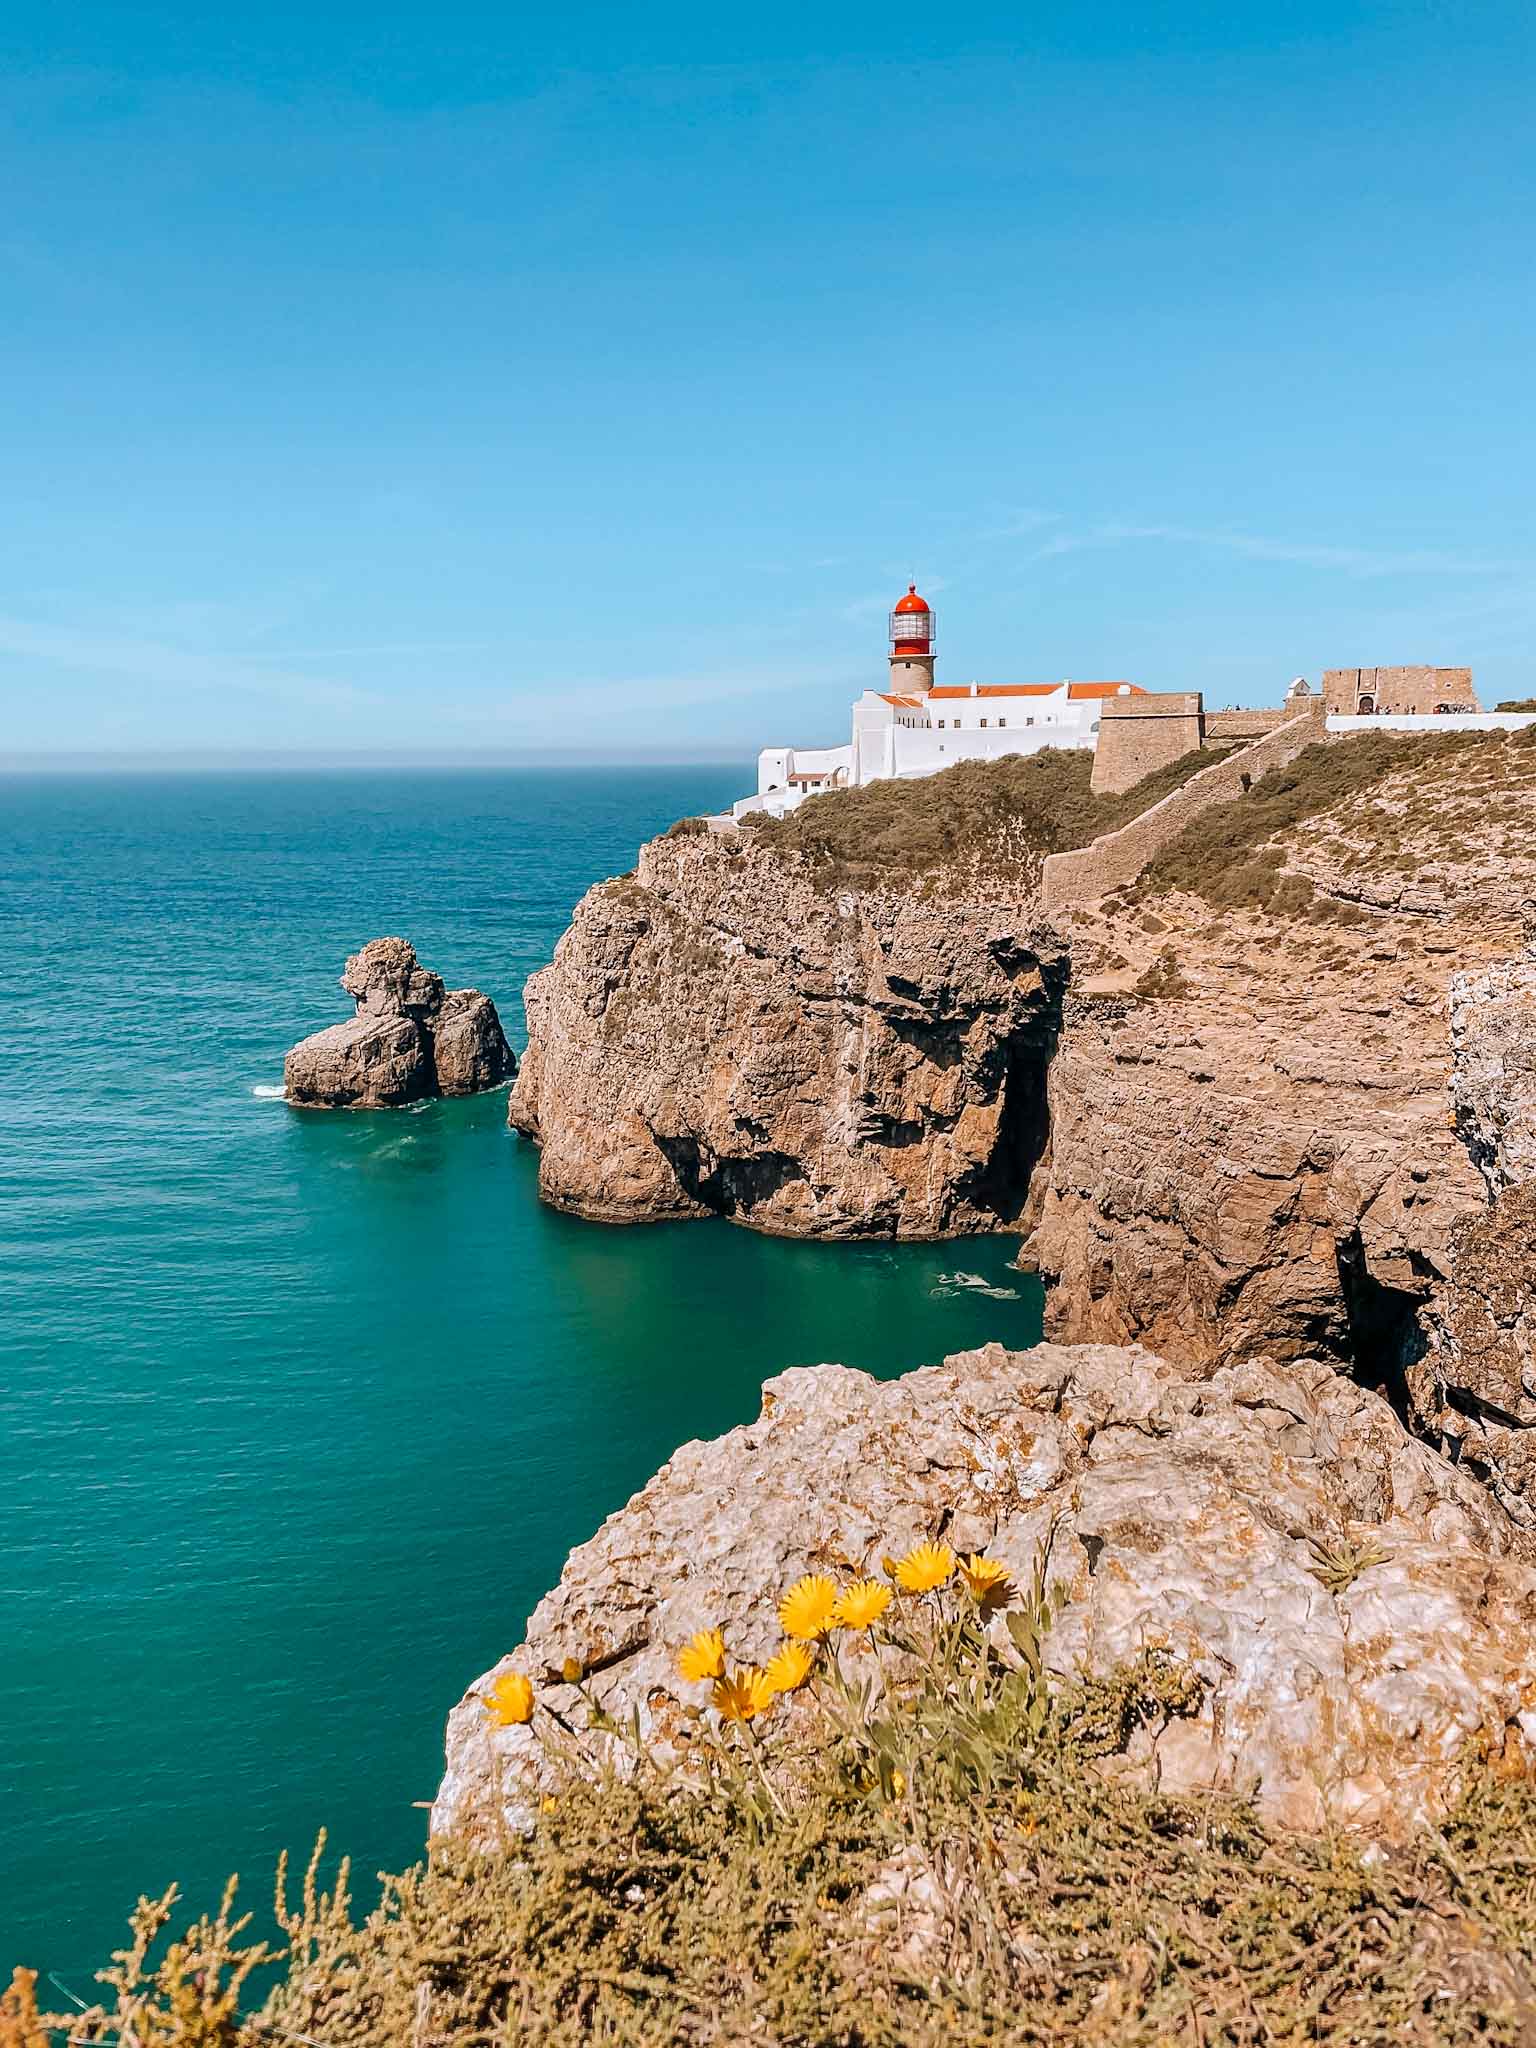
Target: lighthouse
912, 637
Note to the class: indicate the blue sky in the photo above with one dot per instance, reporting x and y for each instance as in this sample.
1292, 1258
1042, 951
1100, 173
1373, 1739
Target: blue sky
481, 379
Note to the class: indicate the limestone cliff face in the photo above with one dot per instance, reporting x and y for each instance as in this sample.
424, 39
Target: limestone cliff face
1476, 1384
1197, 1515
1254, 1138
1263, 1159
1237, 1127
717, 1036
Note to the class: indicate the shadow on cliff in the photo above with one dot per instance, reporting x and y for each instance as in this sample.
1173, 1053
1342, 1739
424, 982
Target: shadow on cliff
1385, 1336
1024, 1128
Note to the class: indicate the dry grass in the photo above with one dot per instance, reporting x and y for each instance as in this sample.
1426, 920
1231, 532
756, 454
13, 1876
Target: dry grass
1009, 813
1227, 854
961, 1860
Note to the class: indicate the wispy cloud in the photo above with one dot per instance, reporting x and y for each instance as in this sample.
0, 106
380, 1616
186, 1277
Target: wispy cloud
287, 654
1349, 561
159, 664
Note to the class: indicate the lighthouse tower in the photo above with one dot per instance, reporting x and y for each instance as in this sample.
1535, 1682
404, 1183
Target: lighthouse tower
912, 639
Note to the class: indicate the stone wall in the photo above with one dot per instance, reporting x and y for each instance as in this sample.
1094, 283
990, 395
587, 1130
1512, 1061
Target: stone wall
1414, 690
1119, 857
1140, 734
1232, 728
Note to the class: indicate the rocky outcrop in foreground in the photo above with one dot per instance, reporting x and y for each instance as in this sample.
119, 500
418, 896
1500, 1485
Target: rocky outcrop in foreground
1358, 1609
411, 1038
716, 1035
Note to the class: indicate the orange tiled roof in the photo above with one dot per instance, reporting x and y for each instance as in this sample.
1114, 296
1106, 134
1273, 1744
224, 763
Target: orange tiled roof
904, 703
1076, 692
948, 690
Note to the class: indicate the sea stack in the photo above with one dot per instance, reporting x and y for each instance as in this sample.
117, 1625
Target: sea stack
410, 1039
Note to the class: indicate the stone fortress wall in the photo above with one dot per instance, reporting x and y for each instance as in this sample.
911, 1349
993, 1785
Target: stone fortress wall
1237, 728
1119, 857
1410, 692
1138, 735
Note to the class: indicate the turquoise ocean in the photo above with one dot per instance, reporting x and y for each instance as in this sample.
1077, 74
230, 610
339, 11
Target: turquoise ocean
300, 1413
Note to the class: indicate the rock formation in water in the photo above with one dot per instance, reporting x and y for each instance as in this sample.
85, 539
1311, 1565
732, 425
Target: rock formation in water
1361, 1612
716, 1034
410, 1038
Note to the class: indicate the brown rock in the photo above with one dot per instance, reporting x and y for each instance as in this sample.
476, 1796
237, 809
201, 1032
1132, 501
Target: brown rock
715, 1036
469, 1047
1199, 1515
1493, 1037
385, 980
369, 1062
410, 1039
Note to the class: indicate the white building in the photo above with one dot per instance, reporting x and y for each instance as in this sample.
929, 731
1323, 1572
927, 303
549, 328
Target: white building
917, 727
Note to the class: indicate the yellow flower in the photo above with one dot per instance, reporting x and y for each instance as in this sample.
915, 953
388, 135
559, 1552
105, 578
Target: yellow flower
898, 1783
805, 1612
985, 1577
703, 1657
926, 1566
571, 1670
789, 1668
862, 1603
743, 1695
511, 1700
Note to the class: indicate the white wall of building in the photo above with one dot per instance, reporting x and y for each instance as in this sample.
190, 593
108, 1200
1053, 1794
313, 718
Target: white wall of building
1433, 721
908, 739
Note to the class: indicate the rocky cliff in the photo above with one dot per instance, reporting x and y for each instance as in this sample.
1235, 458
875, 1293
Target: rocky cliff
719, 1034
1226, 1088
1254, 1135
1359, 1613
1475, 1385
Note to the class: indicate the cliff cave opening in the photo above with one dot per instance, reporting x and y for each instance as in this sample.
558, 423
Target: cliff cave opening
1385, 1337
1024, 1125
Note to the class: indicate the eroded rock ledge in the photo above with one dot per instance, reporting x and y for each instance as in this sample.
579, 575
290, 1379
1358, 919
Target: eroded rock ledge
410, 1038
1195, 1515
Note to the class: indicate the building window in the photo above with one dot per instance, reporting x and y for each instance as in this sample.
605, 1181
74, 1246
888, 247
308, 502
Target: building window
1029, 721
1094, 727
983, 725
1002, 721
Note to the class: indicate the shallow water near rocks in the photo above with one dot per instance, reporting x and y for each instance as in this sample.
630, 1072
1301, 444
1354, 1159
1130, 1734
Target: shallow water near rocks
300, 1413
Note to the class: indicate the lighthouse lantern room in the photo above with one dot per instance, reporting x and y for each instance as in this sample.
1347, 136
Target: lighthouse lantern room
912, 644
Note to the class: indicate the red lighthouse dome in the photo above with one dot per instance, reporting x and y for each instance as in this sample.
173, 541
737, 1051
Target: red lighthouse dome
912, 625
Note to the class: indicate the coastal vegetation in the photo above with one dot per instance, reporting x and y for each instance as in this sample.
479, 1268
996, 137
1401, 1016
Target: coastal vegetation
939, 1844
1010, 813
1226, 853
